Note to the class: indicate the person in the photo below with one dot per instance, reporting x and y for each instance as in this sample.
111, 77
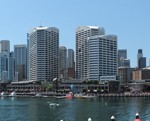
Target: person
137, 117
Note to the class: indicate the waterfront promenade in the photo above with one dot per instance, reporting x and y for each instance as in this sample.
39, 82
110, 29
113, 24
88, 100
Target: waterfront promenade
125, 95
54, 94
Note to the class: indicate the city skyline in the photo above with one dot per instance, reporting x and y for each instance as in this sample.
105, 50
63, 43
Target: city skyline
129, 20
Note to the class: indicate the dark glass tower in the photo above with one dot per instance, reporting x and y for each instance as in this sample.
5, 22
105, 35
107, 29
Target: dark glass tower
141, 61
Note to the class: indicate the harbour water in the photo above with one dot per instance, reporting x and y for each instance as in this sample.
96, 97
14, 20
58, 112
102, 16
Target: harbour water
101, 109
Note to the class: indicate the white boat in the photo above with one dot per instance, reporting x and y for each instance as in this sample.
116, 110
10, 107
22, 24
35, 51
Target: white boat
89, 96
44, 96
78, 96
2, 94
38, 95
82, 96
52, 105
60, 97
12, 94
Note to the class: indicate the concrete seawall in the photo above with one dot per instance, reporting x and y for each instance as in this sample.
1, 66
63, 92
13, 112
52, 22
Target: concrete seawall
125, 95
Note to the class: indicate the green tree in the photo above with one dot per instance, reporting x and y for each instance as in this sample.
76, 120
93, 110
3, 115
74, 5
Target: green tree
84, 90
49, 87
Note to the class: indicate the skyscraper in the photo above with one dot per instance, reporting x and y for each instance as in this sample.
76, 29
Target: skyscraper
126, 62
4, 46
141, 61
70, 58
6, 61
62, 62
82, 35
20, 52
4, 66
122, 55
43, 45
70, 64
11, 66
140, 53
102, 57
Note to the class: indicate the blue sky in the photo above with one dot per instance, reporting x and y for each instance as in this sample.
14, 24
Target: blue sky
128, 19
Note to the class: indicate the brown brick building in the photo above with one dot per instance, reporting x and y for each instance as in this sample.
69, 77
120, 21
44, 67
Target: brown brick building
71, 73
141, 74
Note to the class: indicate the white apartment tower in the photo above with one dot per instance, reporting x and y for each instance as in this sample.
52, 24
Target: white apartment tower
102, 57
43, 50
82, 35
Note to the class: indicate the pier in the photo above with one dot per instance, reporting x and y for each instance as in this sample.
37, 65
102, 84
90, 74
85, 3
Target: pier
125, 95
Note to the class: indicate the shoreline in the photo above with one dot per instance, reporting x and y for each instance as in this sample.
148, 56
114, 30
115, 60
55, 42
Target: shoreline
125, 95
56, 95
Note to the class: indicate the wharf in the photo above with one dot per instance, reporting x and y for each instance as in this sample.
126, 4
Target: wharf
125, 95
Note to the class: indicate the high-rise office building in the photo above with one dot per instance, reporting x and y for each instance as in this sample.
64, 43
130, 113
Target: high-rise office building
27, 56
4, 46
3, 66
6, 61
140, 53
11, 66
102, 57
70, 64
62, 62
70, 60
20, 53
141, 61
82, 35
126, 62
43, 45
122, 55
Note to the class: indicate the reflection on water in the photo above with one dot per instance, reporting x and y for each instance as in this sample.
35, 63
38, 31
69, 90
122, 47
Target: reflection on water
38, 109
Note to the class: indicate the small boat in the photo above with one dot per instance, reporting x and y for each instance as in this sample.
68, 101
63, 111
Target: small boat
89, 96
81, 96
53, 105
78, 96
3, 94
38, 95
12, 94
69, 95
137, 117
60, 97
44, 96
